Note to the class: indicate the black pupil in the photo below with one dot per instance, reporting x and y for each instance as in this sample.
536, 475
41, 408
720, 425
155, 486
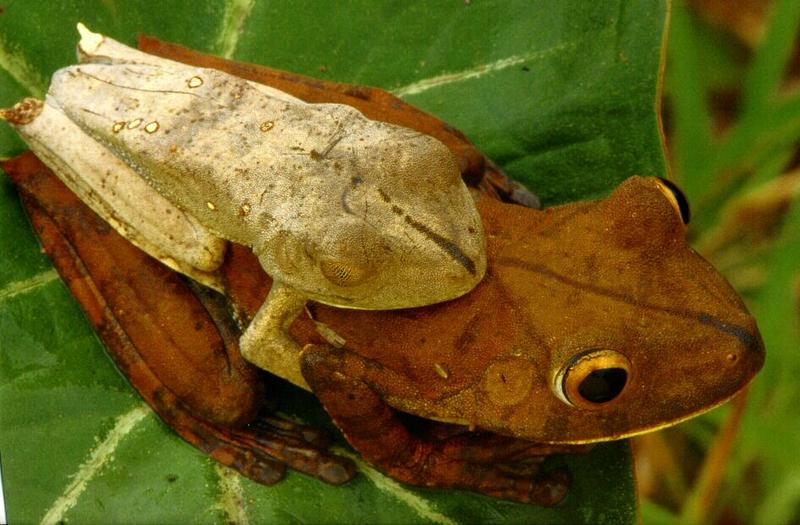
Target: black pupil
603, 385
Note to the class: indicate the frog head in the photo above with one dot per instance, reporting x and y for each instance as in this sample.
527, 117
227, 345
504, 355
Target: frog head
622, 327
404, 230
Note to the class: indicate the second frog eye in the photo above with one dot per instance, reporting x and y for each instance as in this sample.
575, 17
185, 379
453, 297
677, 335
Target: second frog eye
676, 198
342, 273
350, 255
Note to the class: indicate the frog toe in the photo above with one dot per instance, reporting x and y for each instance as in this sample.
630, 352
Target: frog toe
336, 470
545, 489
551, 488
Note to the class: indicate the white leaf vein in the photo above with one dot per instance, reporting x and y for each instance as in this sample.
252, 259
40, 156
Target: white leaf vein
21, 71
419, 504
231, 497
98, 457
478, 71
27, 285
235, 16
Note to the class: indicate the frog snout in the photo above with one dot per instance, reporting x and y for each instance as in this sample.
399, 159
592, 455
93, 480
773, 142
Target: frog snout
746, 356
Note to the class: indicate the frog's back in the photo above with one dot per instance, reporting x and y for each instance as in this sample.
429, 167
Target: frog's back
209, 141
313, 188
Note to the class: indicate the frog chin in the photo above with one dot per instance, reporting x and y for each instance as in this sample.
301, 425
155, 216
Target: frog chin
644, 429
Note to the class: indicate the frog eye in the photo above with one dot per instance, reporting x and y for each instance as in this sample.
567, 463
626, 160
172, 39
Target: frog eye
343, 274
350, 254
594, 378
676, 198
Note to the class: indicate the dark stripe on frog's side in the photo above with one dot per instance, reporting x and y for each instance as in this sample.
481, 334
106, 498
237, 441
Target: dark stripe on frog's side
444, 243
397, 210
739, 332
384, 196
735, 330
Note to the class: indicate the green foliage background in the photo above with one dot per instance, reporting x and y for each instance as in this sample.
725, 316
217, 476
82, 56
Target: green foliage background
561, 94
726, 176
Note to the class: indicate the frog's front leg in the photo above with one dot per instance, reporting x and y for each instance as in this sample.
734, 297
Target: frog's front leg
374, 429
266, 342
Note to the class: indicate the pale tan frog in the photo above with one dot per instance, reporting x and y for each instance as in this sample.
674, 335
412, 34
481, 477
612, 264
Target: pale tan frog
339, 209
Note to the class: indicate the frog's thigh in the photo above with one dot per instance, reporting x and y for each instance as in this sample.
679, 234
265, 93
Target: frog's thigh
266, 342
119, 195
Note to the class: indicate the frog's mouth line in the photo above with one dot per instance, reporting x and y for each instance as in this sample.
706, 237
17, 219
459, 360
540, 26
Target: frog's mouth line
739, 332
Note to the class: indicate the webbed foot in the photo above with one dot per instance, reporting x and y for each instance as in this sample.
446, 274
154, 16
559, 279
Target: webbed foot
299, 447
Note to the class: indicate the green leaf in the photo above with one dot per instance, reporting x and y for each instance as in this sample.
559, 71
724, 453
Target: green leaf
691, 140
561, 94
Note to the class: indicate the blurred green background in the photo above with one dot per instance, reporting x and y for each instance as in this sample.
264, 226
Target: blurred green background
732, 120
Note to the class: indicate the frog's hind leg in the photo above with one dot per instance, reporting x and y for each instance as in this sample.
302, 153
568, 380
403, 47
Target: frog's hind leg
267, 343
117, 193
